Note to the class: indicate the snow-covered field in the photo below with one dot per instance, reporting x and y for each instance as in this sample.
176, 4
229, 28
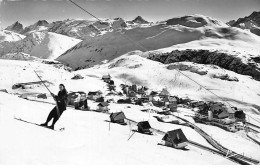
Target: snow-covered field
87, 138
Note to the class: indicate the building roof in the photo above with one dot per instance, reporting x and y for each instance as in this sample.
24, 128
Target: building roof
164, 92
153, 93
117, 116
94, 93
103, 104
175, 136
106, 76
169, 99
144, 125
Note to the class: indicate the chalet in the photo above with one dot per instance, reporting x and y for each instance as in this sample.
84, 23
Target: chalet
94, 95
219, 111
144, 127
142, 90
76, 97
152, 95
158, 103
132, 94
169, 99
175, 138
134, 88
164, 93
118, 117
103, 107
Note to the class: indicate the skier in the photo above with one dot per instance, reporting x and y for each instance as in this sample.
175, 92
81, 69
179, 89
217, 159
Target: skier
61, 101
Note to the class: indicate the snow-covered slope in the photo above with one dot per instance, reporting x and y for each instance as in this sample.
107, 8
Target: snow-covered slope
87, 138
83, 29
195, 21
239, 90
182, 30
7, 40
236, 50
38, 26
43, 44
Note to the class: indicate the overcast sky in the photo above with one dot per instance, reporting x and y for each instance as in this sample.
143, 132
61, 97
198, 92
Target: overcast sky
28, 12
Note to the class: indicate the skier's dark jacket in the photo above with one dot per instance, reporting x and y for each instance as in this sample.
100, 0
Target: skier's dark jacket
62, 99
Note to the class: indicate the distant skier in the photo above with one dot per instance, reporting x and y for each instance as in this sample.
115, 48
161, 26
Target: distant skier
61, 101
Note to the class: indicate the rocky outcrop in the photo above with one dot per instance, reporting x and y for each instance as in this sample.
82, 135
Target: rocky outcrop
223, 60
16, 27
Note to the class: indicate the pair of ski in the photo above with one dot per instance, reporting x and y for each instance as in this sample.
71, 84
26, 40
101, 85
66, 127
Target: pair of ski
28, 122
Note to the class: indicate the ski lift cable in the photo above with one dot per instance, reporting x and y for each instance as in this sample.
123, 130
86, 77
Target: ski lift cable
141, 46
58, 111
134, 42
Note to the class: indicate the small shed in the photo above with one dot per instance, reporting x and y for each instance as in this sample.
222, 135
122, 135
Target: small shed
103, 106
144, 127
175, 138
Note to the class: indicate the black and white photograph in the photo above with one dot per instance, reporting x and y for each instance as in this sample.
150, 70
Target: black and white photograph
129, 82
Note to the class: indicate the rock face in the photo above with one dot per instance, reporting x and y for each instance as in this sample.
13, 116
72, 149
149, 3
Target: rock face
223, 60
16, 27
251, 22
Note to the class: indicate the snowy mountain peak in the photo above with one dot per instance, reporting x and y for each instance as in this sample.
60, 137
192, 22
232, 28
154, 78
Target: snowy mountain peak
140, 20
42, 23
38, 26
119, 23
16, 27
251, 22
195, 21
44, 44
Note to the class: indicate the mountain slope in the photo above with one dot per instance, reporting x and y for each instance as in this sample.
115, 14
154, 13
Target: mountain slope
45, 45
238, 51
132, 68
38, 26
8, 40
174, 31
16, 27
251, 22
